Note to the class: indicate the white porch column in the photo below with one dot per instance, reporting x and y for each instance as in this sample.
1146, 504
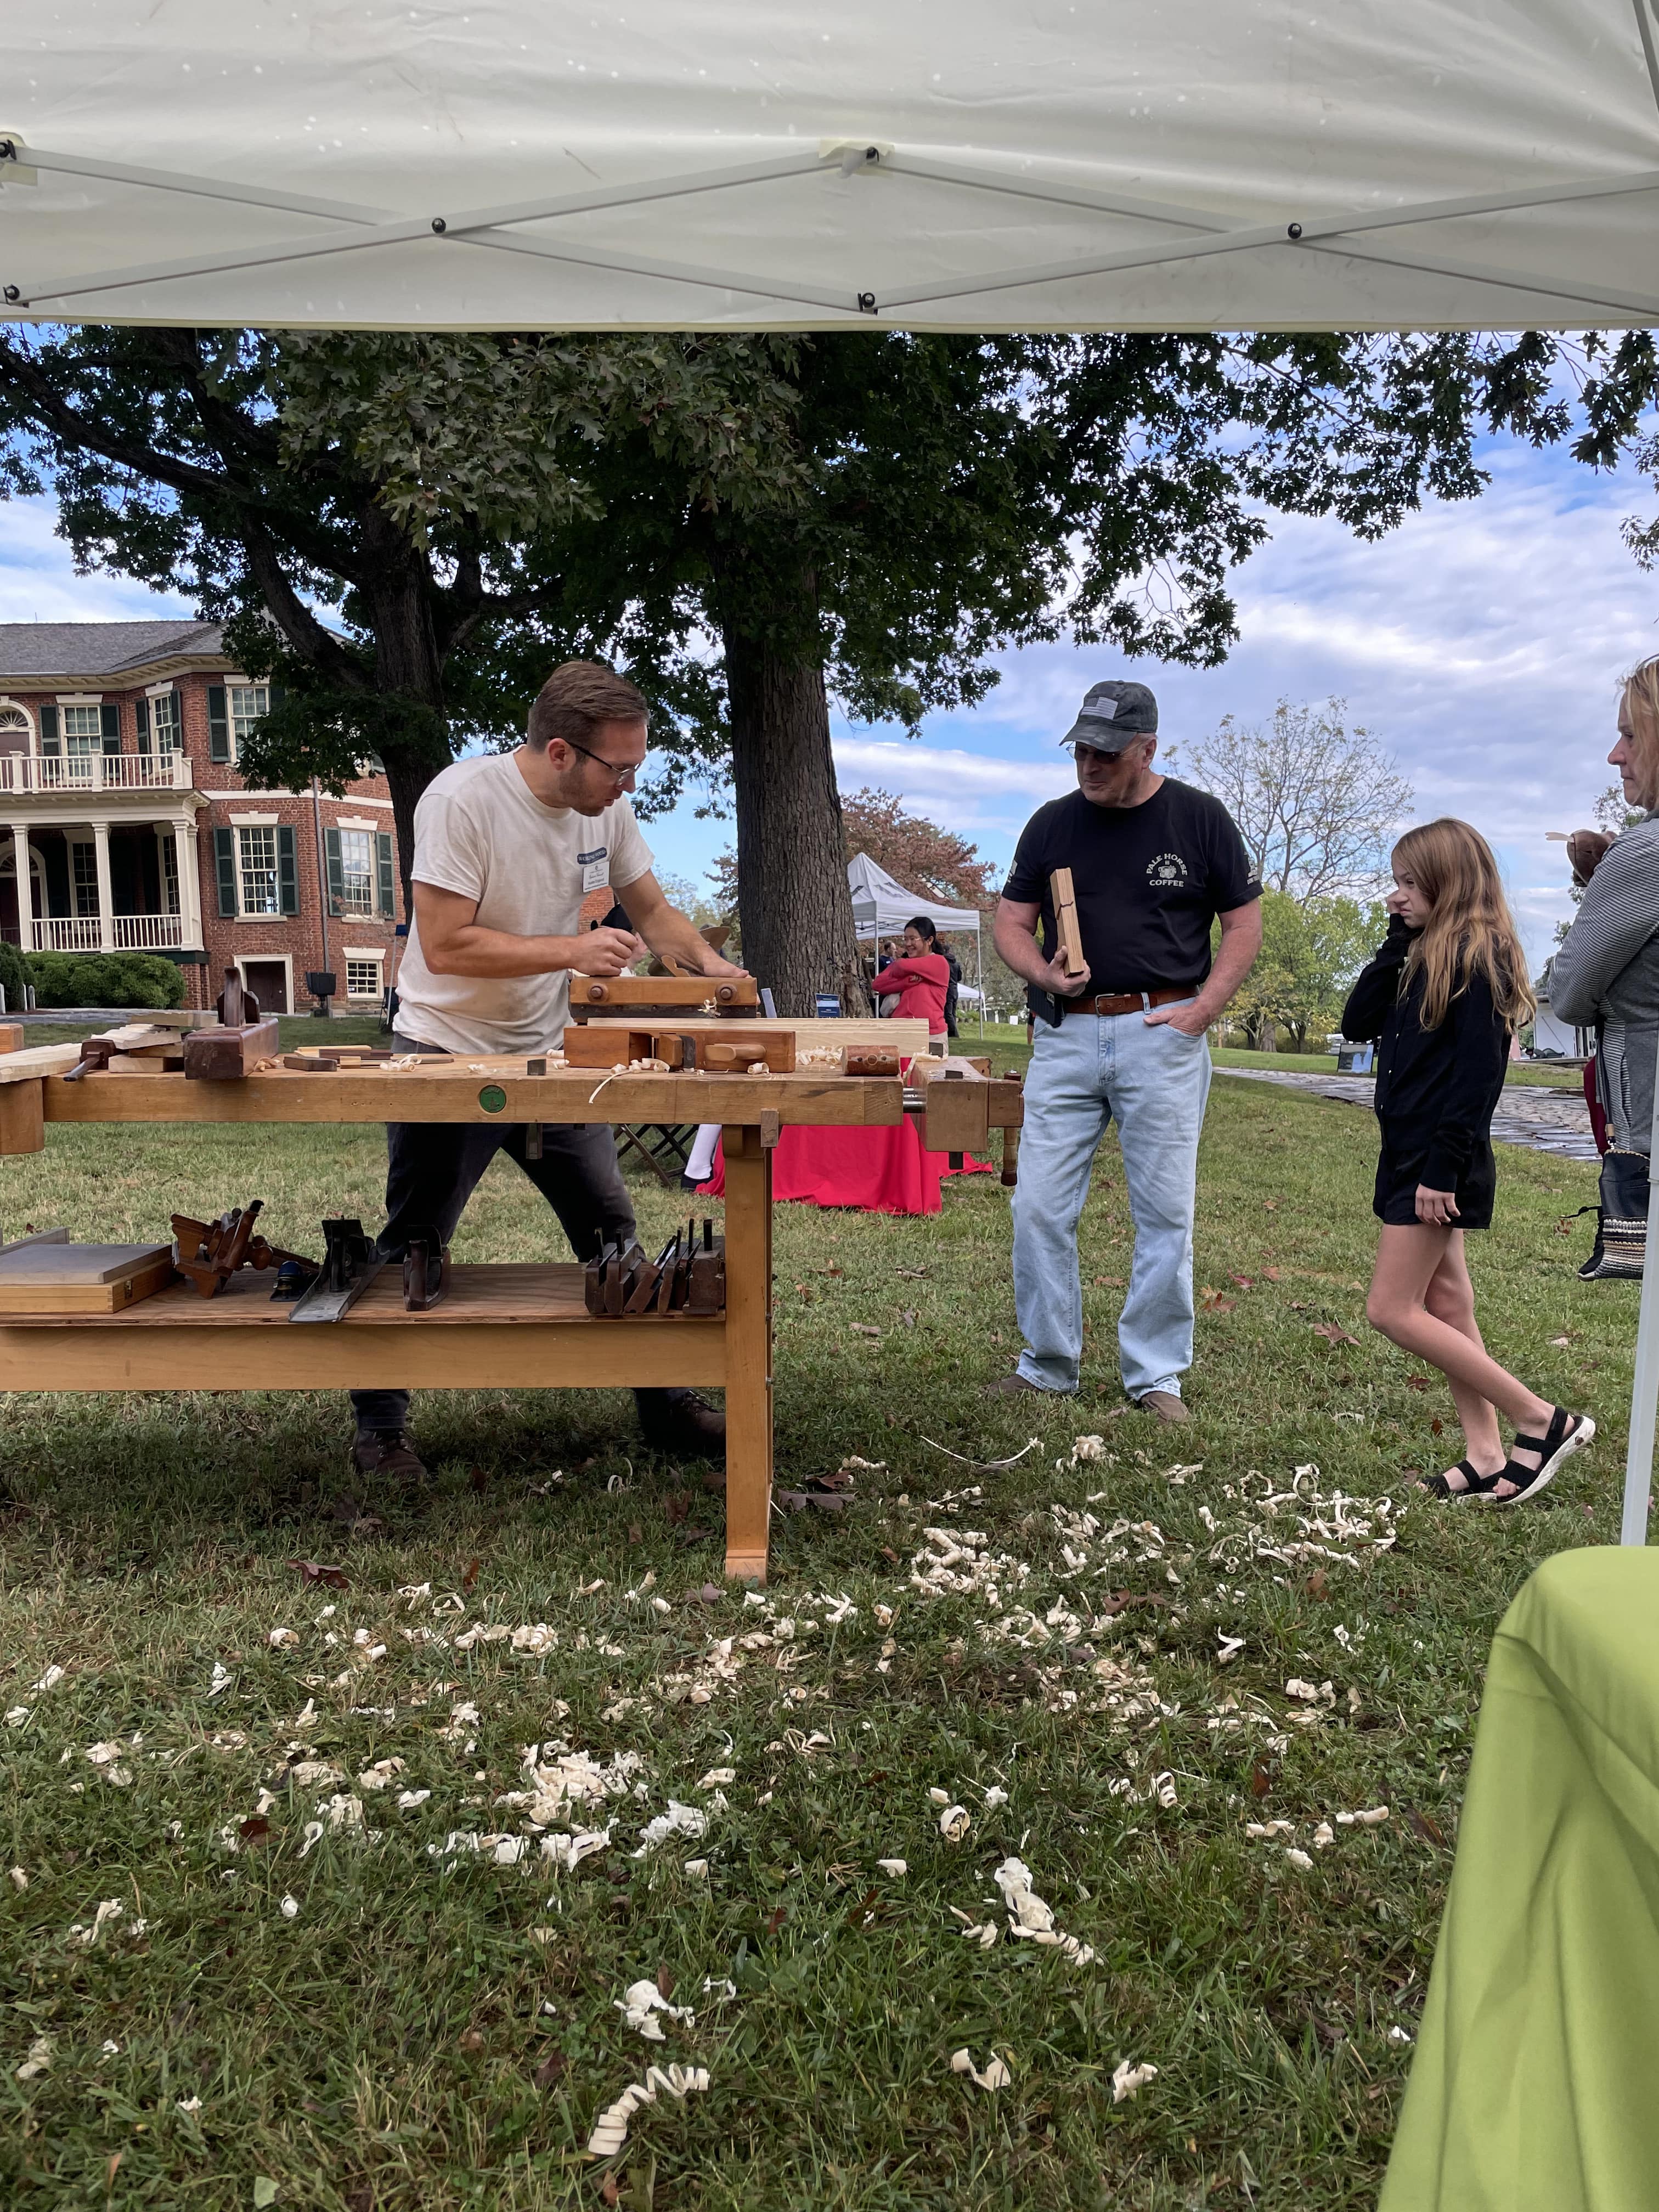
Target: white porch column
20, 838
190, 882
105, 896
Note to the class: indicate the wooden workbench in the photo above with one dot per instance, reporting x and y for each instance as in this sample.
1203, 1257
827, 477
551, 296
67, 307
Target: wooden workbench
501, 1327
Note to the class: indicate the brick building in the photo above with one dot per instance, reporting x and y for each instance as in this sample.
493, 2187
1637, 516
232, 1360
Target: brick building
126, 826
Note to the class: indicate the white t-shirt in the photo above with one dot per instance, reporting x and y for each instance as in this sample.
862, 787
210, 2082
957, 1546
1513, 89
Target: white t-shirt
481, 832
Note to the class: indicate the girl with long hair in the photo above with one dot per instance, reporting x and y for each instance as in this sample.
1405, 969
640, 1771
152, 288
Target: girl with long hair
1444, 994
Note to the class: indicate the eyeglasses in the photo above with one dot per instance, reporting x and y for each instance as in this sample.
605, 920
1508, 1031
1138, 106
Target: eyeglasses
622, 777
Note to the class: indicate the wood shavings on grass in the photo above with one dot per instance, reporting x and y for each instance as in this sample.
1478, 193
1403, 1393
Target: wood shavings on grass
383, 1772
1030, 1917
39, 2061
678, 1820
994, 2075
1300, 1860
954, 1823
570, 1779
107, 1757
1127, 2080
1372, 1818
644, 2007
567, 1849
84, 1938
610, 2129
894, 1868
985, 1466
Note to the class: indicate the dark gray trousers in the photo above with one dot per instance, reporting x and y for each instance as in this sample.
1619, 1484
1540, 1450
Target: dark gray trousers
433, 1168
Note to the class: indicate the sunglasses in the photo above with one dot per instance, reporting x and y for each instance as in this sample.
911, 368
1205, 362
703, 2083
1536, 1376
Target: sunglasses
622, 777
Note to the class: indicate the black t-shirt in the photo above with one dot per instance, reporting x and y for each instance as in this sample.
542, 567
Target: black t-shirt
1149, 880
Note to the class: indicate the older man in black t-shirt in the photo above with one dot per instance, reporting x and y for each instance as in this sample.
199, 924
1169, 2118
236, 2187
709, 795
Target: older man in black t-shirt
1153, 863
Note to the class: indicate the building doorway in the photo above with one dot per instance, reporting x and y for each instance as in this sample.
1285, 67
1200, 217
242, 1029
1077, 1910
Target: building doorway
268, 981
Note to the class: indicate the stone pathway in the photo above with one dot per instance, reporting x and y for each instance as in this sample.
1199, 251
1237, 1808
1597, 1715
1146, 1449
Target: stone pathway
1543, 1121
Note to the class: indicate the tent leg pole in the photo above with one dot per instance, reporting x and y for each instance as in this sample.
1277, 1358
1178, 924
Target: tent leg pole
1644, 1394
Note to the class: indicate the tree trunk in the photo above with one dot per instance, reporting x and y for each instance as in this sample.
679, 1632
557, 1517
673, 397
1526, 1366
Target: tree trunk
793, 904
408, 664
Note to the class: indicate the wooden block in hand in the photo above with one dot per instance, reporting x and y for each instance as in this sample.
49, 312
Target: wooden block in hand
225, 1055
1064, 895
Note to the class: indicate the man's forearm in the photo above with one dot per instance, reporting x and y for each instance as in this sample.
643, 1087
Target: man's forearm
476, 951
672, 935
1017, 948
1235, 958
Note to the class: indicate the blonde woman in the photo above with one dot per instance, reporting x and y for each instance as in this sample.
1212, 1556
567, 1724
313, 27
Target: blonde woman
1607, 972
1444, 994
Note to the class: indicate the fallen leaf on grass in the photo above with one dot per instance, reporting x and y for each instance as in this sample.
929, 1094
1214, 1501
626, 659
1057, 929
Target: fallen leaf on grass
550, 2070
1127, 2080
471, 1574
610, 2129
1334, 1333
313, 1570
256, 1829
994, 2076
1430, 1830
865, 1329
1211, 1301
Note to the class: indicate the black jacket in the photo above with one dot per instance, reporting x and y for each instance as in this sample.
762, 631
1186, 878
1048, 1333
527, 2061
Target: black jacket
1436, 1090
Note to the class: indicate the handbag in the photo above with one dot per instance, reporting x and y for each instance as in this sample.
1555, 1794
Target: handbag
1621, 1219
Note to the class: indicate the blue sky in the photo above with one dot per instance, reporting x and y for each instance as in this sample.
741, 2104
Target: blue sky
1481, 641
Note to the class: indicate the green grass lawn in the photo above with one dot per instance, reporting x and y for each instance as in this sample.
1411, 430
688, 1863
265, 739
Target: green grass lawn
1540, 1074
386, 2017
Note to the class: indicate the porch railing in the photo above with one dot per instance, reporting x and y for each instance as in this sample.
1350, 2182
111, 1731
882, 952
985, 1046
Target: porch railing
132, 933
27, 773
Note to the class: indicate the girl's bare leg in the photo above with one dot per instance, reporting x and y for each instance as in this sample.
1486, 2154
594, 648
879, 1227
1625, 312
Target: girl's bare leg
1408, 1258
1449, 1298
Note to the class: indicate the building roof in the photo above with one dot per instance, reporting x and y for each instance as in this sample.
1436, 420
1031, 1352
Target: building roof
101, 648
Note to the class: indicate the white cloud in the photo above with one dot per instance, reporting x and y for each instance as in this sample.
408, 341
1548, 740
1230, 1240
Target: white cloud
38, 582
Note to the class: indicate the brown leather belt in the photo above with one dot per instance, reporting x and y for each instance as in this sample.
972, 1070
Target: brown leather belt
1127, 1002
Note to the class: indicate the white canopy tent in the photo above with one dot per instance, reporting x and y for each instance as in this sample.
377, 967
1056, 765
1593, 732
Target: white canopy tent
948, 164
882, 906
969, 165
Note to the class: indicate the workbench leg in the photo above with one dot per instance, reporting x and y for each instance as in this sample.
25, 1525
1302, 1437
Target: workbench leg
748, 1354
22, 1117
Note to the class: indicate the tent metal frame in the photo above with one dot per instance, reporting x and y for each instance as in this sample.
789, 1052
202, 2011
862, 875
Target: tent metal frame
363, 228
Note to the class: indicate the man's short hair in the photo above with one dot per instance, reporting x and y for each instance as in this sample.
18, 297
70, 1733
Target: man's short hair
579, 698
923, 927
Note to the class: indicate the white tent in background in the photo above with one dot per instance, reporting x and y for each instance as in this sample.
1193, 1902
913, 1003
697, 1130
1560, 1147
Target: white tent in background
948, 165
882, 906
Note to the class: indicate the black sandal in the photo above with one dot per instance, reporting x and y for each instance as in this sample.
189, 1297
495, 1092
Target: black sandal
1566, 1434
1479, 1486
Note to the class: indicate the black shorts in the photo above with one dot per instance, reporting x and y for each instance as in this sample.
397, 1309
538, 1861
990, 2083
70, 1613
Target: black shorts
1399, 1174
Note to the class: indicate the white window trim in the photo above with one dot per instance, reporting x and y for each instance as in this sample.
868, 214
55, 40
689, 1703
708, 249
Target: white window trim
362, 952
240, 822
351, 822
256, 821
159, 690
31, 719
376, 959
285, 960
80, 698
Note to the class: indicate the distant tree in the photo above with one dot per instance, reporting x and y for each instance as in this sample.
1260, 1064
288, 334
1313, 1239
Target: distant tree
1311, 951
932, 862
1316, 801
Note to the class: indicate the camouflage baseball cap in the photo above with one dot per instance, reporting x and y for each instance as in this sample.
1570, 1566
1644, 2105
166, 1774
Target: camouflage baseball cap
1112, 716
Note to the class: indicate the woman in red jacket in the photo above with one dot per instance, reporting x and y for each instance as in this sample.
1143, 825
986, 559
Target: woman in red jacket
920, 976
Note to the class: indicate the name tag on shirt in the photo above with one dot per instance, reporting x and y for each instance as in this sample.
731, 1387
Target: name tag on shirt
595, 868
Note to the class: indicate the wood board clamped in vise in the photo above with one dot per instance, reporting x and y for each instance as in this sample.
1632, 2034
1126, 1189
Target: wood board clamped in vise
687, 1276
350, 1263
629, 995
1064, 895
961, 1105
702, 1047
207, 1254
426, 1270
134, 1048
237, 1046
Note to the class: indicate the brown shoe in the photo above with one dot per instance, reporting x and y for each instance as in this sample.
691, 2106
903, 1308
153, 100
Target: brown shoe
1165, 1404
1017, 1386
680, 1424
389, 1454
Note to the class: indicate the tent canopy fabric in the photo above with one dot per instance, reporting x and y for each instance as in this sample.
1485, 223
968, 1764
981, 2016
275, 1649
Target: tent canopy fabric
881, 907
949, 164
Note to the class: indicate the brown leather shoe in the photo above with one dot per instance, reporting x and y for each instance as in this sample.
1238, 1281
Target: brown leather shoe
680, 1424
388, 1455
1017, 1386
1165, 1404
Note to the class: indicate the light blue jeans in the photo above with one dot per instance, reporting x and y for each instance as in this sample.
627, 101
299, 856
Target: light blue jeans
1091, 1069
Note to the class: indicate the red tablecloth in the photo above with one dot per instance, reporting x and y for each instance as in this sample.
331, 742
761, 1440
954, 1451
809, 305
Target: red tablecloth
879, 1171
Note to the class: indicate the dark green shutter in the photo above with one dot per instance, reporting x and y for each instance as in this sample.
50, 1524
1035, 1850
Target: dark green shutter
275, 696
49, 740
109, 715
141, 715
287, 872
336, 872
218, 725
387, 882
224, 855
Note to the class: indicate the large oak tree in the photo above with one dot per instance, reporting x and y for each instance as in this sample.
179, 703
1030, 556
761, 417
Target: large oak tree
758, 527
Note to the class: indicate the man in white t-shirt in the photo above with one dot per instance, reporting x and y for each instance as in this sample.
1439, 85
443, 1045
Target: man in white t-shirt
507, 847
